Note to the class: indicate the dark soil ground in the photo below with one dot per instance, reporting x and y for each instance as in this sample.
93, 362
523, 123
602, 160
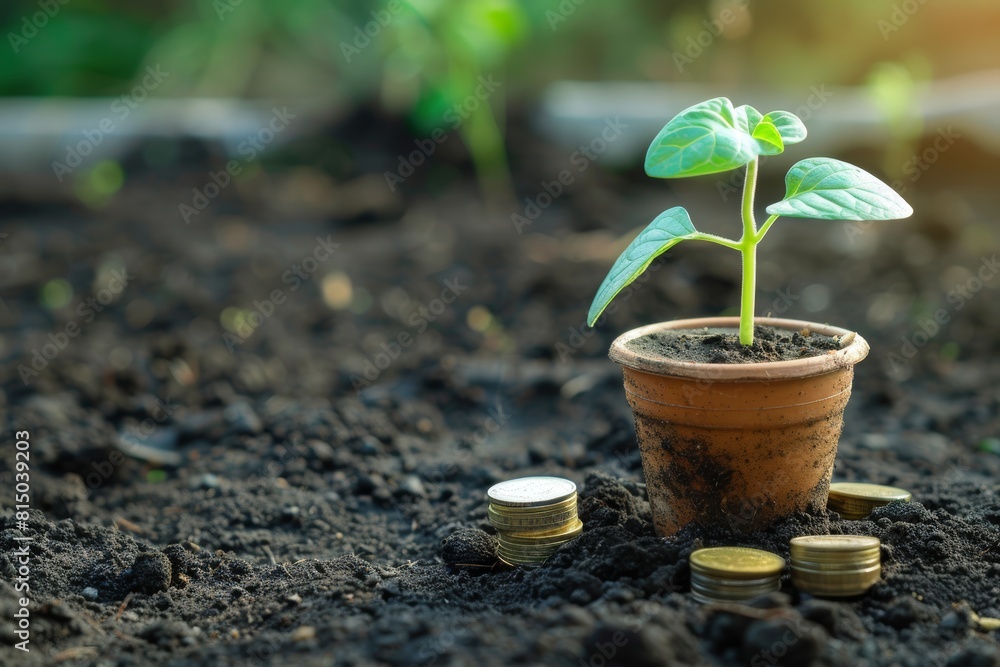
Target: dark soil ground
309, 489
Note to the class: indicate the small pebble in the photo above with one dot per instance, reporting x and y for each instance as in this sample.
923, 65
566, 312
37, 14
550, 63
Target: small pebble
242, 418
412, 485
206, 481
370, 446
90, 593
321, 450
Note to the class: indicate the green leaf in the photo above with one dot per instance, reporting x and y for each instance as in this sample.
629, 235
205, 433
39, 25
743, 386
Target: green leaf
768, 138
703, 139
789, 126
667, 230
747, 118
829, 189
762, 129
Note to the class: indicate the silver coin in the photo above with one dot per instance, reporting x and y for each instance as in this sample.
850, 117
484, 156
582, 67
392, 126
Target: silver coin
531, 491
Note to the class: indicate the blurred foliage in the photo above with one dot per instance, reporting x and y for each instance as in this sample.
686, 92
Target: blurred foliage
445, 53
415, 61
893, 88
421, 58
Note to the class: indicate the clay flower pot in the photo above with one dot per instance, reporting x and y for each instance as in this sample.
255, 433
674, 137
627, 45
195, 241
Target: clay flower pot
737, 445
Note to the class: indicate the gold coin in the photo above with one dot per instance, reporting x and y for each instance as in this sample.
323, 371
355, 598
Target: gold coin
848, 583
835, 565
569, 503
855, 500
514, 561
531, 491
733, 574
736, 563
528, 552
565, 534
534, 517
519, 553
526, 524
838, 544
500, 514
542, 534
705, 588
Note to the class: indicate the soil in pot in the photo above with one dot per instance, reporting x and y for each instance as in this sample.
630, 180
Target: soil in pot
722, 346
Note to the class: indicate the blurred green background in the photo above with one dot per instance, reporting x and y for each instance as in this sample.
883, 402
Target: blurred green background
294, 47
418, 58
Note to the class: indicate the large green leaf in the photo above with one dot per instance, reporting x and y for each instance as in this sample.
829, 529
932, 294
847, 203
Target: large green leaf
667, 230
703, 139
829, 189
713, 137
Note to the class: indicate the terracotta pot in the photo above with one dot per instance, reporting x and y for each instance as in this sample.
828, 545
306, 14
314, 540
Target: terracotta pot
737, 445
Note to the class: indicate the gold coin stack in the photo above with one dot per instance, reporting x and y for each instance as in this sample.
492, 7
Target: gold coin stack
854, 501
835, 565
734, 574
534, 516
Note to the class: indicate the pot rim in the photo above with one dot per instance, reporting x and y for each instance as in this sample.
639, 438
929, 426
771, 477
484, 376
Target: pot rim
838, 360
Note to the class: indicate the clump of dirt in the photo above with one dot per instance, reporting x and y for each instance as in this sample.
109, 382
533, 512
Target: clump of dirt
719, 346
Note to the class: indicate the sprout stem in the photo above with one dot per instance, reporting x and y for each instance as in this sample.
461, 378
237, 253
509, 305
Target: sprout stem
748, 248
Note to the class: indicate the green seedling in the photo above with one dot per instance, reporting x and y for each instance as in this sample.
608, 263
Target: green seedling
714, 137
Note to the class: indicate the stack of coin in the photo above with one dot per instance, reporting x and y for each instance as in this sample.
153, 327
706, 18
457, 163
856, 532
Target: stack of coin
534, 516
835, 565
734, 574
854, 501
